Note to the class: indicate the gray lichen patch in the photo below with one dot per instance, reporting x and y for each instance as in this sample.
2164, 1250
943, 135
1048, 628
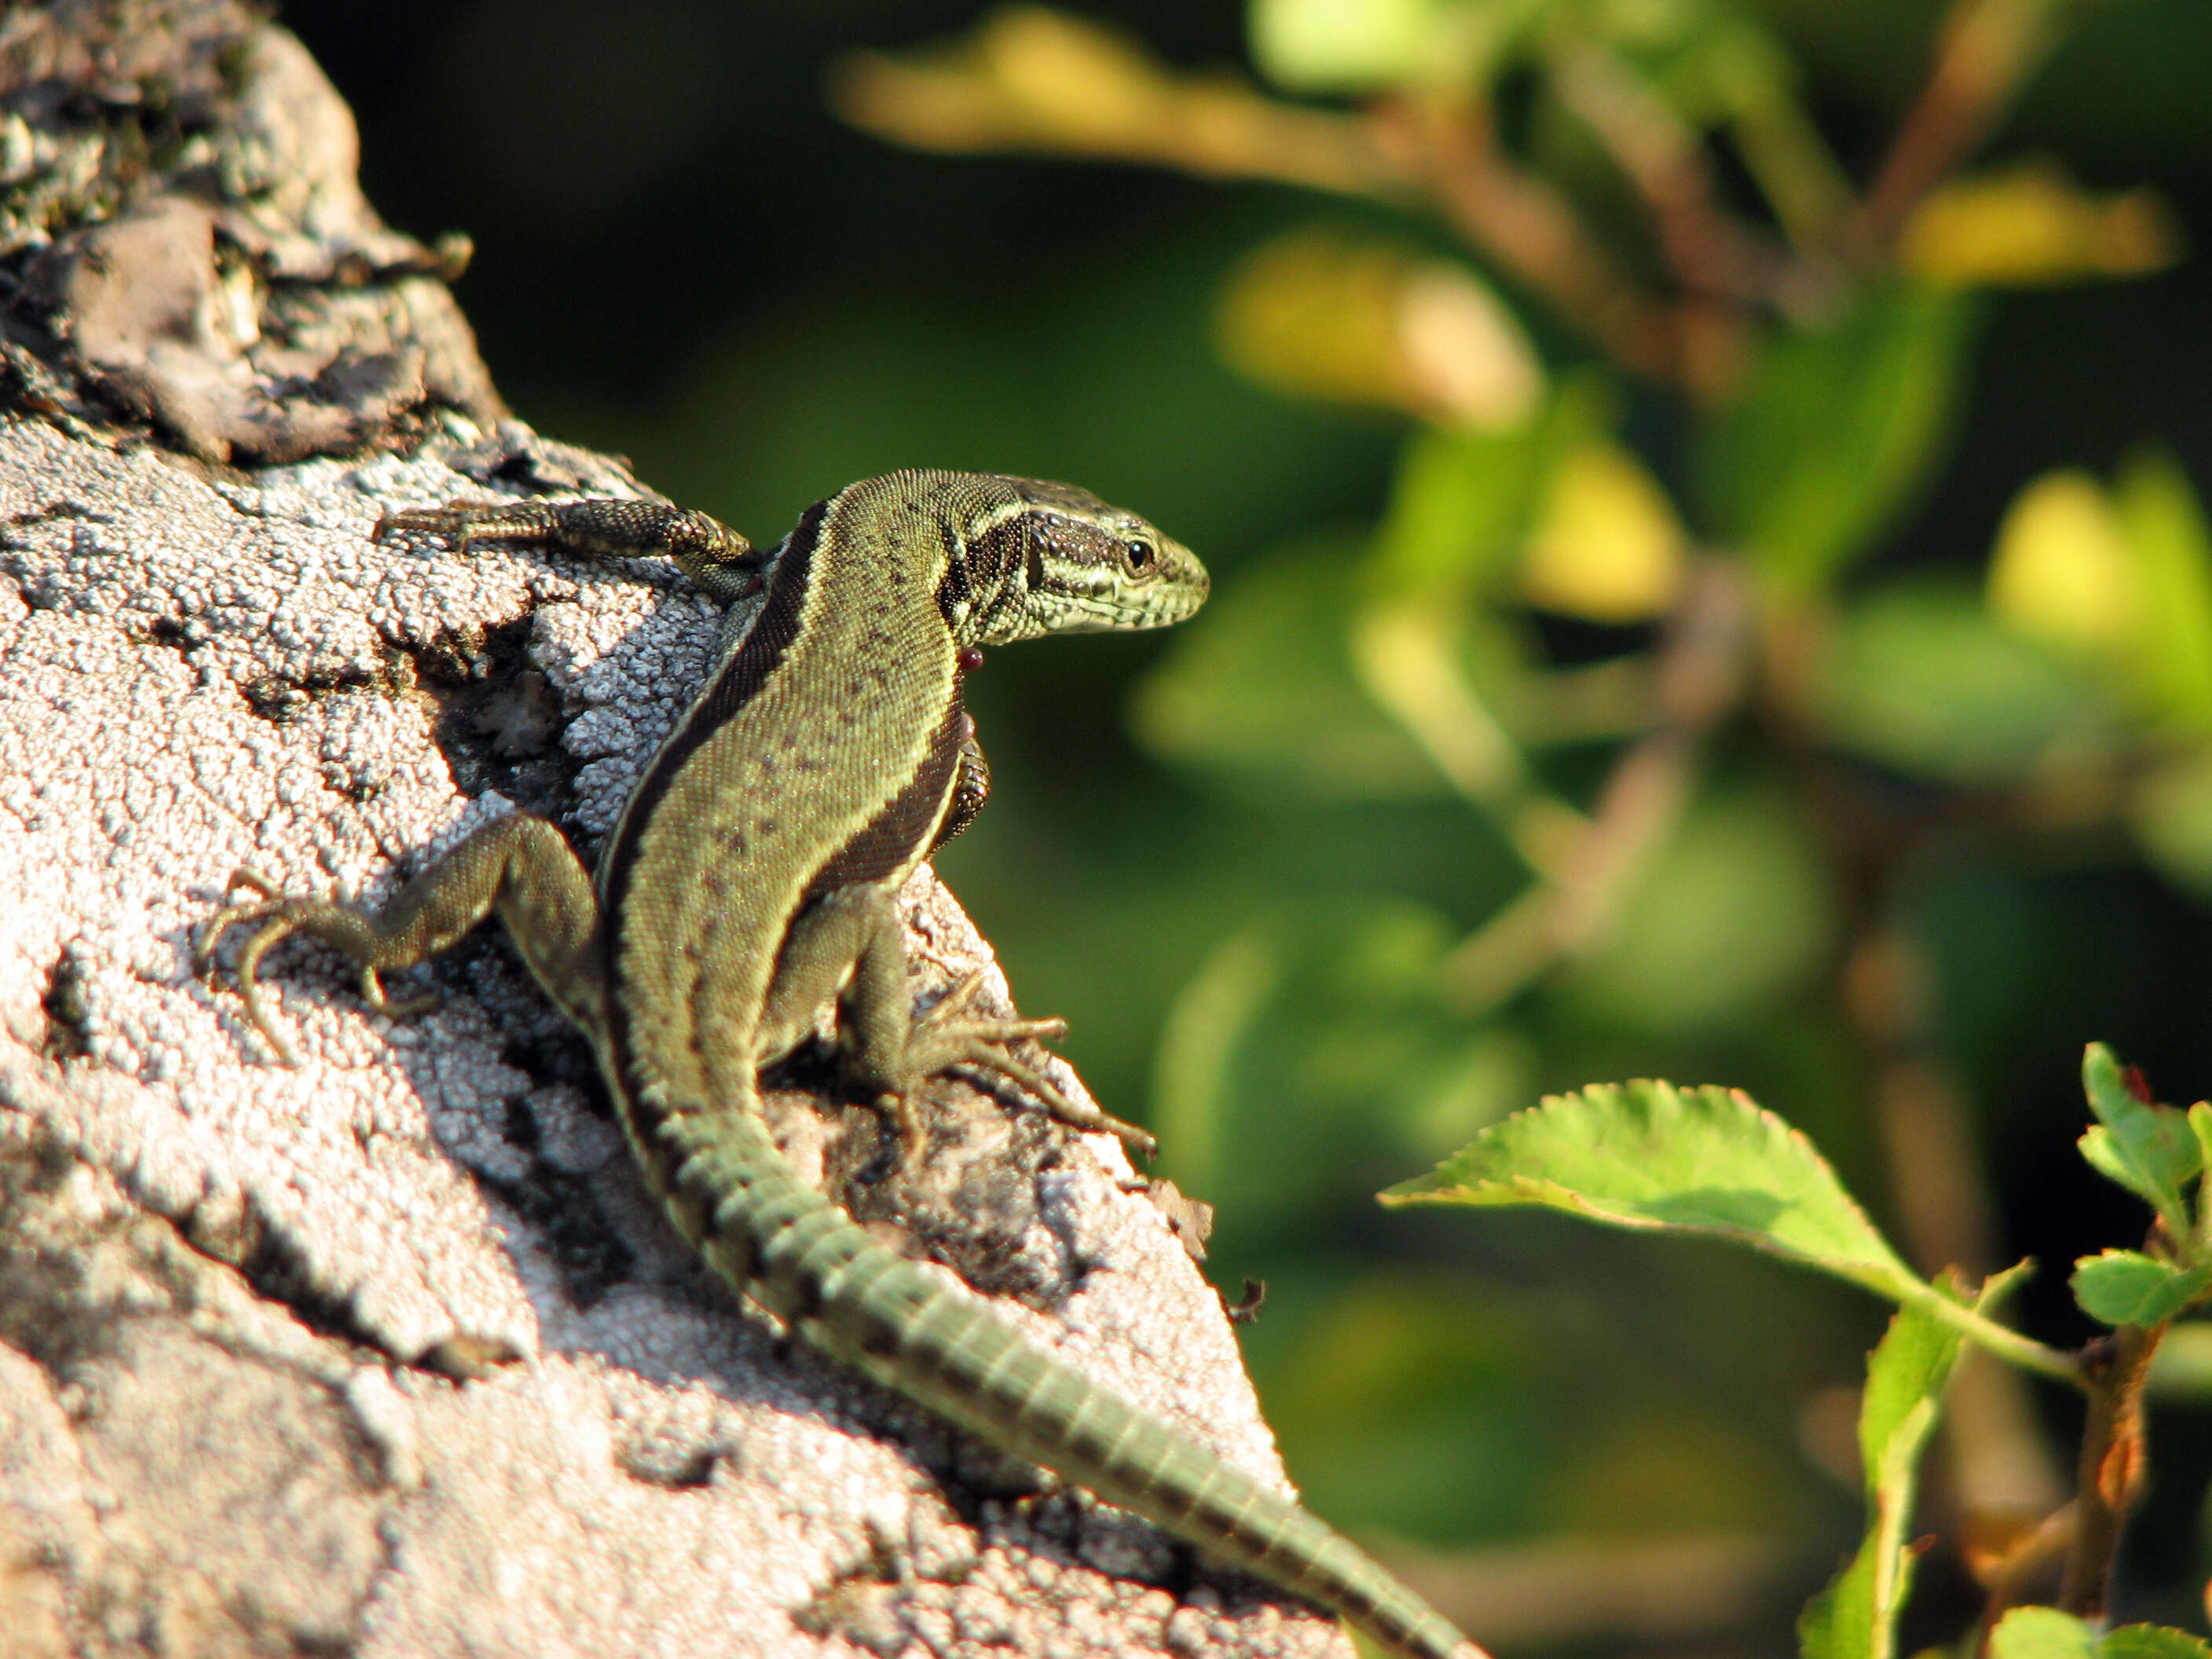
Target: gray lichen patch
501, 1364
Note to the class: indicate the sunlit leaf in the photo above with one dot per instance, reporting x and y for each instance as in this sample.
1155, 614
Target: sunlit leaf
1733, 914
1921, 678
2030, 225
2149, 1150
2152, 1642
2165, 524
1855, 1617
2042, 1633
2064, 571
1833, 430
2126, 1287
2047, 1633
1343, 46
1324, 315
1360, 46
1649, 1156
1607, 545
1262, 687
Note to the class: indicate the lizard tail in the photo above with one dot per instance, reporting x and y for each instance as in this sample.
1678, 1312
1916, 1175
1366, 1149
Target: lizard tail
946, 1349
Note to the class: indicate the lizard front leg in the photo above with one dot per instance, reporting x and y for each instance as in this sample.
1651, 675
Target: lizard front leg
520, 867
849, 945
719, 559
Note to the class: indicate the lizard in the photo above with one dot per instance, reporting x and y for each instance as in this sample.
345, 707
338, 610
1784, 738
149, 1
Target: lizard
748, 885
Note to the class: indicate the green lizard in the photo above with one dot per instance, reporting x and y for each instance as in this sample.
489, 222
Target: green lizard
749, 884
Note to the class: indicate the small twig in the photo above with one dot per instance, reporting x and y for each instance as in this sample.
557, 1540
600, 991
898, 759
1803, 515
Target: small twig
2115, 1459
1032, 80
1986, 50
1533, 231
2032, 1555
1711, 254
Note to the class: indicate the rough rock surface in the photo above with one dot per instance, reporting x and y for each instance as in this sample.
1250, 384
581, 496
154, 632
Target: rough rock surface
184, 243
391, 1354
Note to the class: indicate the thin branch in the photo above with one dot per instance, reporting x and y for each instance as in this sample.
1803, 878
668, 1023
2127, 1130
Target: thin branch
1985, 54
1710, 253
1699, 678
1532, 231
1030, 80
2115, 1460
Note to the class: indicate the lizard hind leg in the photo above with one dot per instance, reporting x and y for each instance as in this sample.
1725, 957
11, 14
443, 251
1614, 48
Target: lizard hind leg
849, 945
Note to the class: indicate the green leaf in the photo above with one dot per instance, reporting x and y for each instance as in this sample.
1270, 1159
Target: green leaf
1361, 45
1649, 1155
2047, 1633
2126, 1287
2152, 1642
2042, 1633
1923, 678
1833, 430
2165, 525
2149, 1150
1342, 45
1855, 1617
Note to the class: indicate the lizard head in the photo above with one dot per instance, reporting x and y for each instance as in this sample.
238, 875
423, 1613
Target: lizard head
1057, 560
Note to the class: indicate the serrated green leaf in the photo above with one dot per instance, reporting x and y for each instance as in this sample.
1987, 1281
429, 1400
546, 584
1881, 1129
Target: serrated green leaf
1855, 1617
1833, 431
2149, 1150
2126, 1287
2152, 1642
1649, 1155
2042, 1633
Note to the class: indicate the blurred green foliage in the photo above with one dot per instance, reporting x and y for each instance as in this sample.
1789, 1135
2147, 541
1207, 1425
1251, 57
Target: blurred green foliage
1692, 599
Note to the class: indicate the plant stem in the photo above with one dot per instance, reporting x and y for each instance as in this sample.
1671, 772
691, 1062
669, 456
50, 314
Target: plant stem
2115, 1459
1986, 50
2022, 1350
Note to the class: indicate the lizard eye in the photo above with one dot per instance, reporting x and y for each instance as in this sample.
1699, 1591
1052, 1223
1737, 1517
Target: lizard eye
1141, 554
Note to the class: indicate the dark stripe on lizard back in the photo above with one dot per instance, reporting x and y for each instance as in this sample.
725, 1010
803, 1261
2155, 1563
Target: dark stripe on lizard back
908, 821
734, 684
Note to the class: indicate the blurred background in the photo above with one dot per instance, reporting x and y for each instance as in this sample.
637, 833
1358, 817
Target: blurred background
1710, 581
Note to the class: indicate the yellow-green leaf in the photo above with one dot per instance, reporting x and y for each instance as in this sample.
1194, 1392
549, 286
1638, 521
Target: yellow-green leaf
2064, 572
1364, 321
1607, 545
2031, 226
2165, 524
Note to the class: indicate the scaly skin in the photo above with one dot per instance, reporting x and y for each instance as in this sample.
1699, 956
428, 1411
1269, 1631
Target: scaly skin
750, 883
